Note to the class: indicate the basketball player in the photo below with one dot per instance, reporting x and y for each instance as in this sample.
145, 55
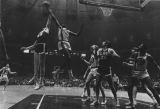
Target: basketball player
140, 74
115, 81
39, 48
93, 64
132, 90
104, 56
4, 75
63, 42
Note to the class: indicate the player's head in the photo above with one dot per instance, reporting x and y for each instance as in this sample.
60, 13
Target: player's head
114, 74
7, 65
134, 50
106, 43
46, 4
94, 48
142, 48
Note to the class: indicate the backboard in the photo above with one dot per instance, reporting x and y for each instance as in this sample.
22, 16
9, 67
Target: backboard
129, 5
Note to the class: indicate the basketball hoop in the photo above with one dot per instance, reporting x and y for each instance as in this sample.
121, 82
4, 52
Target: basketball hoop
106, 11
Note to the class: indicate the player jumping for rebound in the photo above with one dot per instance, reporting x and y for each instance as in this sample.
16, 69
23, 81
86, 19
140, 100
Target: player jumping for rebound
63, 42
39, 48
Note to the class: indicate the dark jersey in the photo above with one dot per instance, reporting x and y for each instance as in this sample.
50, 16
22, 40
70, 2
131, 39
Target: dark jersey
41, 41
104, 60
105, 56
139, 65
140, 62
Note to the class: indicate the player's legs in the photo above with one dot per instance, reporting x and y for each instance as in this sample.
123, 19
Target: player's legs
42, 68
98, 84
7, 81
149, 93
111, 85
88, 81
115, 86
84, 91
149, 84
56, 74
35, 68
67, 62
104, 101
132, 91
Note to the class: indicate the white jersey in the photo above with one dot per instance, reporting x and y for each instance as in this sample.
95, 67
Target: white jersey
93, 62
140, 67
63, 39
5, 71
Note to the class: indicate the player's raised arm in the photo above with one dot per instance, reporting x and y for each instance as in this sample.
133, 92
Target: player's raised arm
55, 18
48, 24
46, 8
76, 34
72, 33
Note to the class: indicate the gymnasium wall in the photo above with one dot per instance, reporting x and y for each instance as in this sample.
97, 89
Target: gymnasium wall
23, 19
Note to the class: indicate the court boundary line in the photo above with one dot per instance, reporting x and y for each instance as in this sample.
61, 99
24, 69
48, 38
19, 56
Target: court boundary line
39, 104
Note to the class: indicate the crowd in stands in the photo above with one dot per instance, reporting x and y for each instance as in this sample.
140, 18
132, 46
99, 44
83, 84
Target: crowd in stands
68, 83
65, 82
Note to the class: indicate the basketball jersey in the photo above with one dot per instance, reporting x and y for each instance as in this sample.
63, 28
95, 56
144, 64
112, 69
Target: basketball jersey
5, 71
63, 34
141, 63
63, 37
93, 61
140, 66
104, 58
40, 46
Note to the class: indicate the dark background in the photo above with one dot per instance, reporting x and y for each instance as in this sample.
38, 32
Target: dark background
23, 19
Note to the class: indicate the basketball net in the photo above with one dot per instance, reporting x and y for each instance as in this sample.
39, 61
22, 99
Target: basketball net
106, 11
